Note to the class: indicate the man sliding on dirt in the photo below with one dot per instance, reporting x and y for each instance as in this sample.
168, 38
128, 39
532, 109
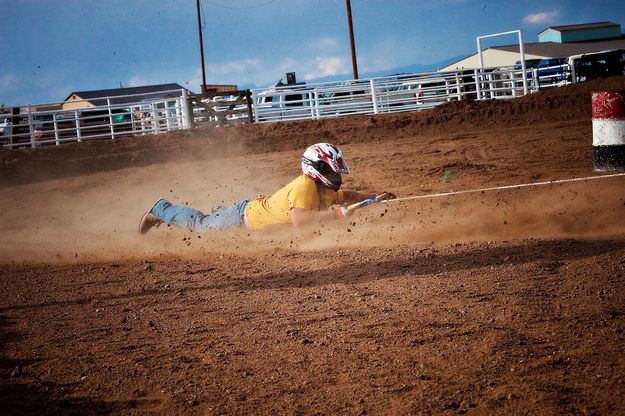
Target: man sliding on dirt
313, 196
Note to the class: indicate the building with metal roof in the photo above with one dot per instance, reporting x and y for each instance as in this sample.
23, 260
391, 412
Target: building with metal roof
86, 99
508, 55
580, 33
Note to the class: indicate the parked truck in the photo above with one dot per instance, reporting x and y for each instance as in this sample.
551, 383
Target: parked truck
584, 67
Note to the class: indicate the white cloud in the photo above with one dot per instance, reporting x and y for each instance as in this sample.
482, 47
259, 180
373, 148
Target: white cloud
325, 44
137, 81
232, 68
286, 65
231, 72
326, 66
541, 18
195, 81
240, 72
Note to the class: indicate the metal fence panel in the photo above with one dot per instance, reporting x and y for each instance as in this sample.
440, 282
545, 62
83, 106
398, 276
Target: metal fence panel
396, 93
121, 116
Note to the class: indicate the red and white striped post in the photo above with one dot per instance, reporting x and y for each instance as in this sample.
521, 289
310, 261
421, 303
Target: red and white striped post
608, 130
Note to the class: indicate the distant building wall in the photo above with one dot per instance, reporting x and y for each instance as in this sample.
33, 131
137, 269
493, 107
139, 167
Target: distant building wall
492, 58
75, 102
550, 35
581, 35
592, 34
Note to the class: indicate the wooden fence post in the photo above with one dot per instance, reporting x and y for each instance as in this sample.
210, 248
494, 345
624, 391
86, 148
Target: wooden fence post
250, 112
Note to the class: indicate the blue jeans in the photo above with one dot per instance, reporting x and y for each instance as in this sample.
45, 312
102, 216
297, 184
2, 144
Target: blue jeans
222, 218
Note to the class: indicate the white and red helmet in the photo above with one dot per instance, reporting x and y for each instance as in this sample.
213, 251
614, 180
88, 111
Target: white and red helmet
324, 162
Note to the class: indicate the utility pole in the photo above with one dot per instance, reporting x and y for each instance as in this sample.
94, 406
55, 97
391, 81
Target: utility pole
351, 38
199, 29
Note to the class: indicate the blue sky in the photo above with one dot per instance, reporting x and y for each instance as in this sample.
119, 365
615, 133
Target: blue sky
53, 47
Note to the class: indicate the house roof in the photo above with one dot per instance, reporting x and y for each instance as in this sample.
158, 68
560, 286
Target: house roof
582, 26
98, 97
557, 50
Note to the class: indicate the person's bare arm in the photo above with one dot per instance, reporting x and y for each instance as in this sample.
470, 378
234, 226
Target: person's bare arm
301, 216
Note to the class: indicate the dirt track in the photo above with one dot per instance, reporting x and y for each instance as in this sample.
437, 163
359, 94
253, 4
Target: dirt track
502, 302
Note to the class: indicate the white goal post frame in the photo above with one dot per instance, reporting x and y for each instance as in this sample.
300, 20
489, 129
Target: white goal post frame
521, 52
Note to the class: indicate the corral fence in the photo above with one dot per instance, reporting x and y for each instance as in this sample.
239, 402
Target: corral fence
413, 92
222, 108
79, 120
130, 115
389, 94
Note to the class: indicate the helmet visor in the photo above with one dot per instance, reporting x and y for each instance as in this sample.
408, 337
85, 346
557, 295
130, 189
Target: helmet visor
335, 179
324, 168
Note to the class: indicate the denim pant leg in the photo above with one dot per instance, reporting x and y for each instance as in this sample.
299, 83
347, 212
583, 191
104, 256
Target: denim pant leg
194, 220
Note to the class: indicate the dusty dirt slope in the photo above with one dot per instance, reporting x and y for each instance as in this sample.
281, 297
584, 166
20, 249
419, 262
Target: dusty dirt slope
496, 302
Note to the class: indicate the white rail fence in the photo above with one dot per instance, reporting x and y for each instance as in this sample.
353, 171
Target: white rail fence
121, 116
388, 94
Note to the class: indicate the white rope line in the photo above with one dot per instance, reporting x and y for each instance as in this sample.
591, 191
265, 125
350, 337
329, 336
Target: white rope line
497, 188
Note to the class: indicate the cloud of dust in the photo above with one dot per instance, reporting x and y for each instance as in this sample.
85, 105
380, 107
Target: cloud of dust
577, 210
94, 218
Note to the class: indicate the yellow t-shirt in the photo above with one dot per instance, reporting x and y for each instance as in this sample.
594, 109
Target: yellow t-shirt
302, 192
